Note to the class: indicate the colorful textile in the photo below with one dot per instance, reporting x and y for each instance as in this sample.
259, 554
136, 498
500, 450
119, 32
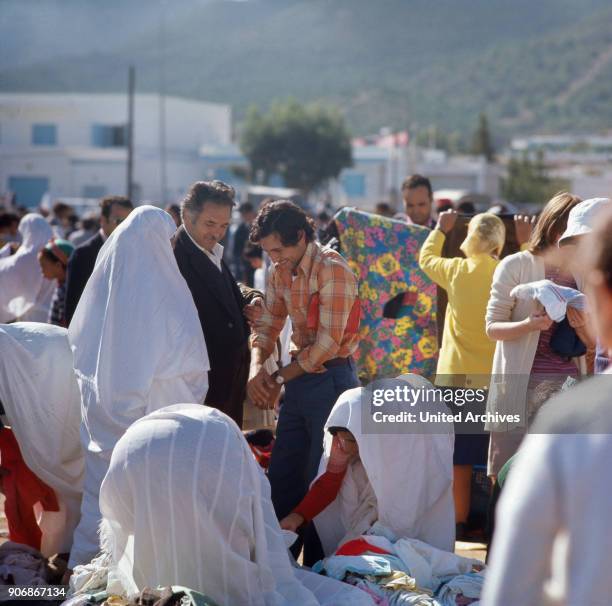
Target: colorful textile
322, 303
383, 253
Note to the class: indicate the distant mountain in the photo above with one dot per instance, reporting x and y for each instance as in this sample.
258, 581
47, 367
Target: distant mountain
541, 66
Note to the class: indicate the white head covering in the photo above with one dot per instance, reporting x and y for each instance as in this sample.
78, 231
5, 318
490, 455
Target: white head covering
410, 475
135, 335
24, 292
138, 346
185, 503
582, 218
43, 407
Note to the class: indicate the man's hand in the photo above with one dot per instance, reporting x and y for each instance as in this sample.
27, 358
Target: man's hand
292, 522
253, 311
447, 220
523, 226
262, 389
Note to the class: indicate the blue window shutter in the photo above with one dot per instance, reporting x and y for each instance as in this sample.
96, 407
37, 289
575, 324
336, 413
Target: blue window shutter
44, 134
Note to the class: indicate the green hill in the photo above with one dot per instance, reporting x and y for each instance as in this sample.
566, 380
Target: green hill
541, 66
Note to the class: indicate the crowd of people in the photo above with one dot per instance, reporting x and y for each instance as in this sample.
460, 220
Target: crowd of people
135, 353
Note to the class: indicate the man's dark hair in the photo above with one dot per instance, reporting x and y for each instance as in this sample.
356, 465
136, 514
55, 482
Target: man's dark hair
246, 207
323, 217
252, 251
107, 203
415, 181
59, 208
284, 218
201, 192
7, 220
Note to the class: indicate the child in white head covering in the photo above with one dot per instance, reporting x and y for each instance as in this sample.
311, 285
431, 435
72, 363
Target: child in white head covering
25, 294
403, 481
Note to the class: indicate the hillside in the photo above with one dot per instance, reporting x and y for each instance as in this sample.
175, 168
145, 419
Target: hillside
544, 66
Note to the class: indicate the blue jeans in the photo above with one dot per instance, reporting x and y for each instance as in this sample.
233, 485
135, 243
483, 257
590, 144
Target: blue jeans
299, 433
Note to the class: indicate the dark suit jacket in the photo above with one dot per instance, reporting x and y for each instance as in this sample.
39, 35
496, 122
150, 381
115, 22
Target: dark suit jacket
219, 303
80, 267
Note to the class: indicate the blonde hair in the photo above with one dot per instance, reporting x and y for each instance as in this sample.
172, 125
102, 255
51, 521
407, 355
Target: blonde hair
486, 235
551, 222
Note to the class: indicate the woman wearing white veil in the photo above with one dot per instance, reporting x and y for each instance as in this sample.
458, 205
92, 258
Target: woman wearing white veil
42, 405
185, 503
25, 294
401, 481
137, 345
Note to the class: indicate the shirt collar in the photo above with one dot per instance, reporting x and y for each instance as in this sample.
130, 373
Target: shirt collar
306, 262
217, 250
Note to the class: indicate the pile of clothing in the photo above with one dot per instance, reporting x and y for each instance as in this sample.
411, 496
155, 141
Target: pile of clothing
405, 572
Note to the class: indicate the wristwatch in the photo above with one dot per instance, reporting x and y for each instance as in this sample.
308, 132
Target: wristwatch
278, 378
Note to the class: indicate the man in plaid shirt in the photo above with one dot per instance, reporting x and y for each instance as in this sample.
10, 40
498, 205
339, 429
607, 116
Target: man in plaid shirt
318, 290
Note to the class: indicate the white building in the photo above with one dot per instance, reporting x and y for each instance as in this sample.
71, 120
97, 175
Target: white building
74, 145
376, 175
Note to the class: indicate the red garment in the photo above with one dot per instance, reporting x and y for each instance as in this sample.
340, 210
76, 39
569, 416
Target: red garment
358, 547
22, 490
326, 488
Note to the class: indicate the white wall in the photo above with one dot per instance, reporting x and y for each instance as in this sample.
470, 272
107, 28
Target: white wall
74, 163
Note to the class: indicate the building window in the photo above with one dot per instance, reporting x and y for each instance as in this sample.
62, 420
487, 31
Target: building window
103, 135
44, 134
353, 185
28, 190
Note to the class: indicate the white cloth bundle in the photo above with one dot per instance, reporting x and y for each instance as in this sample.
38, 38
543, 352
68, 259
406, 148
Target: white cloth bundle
43, 407
138, 346
553, 297
25, 294
401, 480
185, 503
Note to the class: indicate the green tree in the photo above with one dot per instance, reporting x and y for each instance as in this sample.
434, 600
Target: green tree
528, 181
304, 144
481, 141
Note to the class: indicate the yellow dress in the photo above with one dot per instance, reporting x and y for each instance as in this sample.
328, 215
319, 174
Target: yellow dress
466, 349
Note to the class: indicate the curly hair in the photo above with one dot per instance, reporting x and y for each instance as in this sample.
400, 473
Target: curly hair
284, 218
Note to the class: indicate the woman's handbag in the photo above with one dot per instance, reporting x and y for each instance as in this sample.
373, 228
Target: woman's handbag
566, 342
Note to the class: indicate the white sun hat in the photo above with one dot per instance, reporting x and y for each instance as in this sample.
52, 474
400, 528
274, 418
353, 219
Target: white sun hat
582, 218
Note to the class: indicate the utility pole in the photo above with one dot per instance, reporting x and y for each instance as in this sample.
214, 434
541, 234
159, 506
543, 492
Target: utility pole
130, 133
162, 103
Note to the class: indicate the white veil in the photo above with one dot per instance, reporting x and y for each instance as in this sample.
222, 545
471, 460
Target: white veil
410, 478
138, 346
25, 294
185, 503
43, 407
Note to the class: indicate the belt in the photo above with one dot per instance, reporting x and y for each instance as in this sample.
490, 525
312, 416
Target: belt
333, 362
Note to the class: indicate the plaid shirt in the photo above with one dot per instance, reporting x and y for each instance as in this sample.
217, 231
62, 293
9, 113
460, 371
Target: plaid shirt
325, 284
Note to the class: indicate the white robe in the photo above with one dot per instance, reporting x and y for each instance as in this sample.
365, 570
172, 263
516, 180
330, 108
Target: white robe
185, 503
138, 346
43, 407
25, 294
401, 480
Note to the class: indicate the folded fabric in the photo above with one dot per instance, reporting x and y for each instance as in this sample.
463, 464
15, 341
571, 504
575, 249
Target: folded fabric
359, 547
337, 567
553, 297
22, 565
468, 586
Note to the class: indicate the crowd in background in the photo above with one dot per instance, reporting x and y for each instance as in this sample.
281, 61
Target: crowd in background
135, 344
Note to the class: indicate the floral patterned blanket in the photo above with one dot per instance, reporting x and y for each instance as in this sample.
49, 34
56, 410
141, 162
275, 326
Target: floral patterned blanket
383, 253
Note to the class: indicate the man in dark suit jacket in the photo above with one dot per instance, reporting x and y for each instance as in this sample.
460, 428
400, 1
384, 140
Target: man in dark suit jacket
113, 210
206, 213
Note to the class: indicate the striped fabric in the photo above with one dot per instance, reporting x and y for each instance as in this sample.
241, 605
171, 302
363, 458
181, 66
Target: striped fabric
323, 280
